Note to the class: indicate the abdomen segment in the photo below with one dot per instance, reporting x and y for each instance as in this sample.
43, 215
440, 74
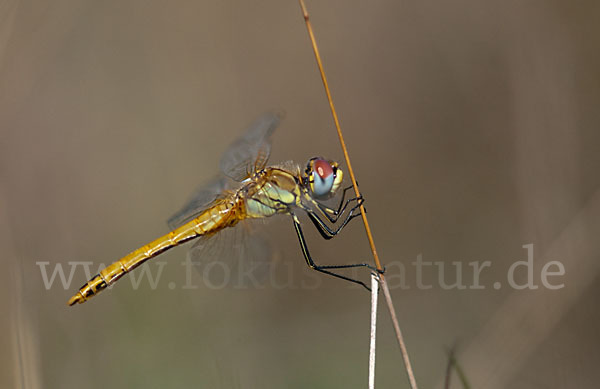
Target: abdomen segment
210, 221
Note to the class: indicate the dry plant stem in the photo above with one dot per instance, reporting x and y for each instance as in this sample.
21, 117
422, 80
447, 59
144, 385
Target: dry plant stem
339, 132
403, 350
374, 295
383, 282
449, 368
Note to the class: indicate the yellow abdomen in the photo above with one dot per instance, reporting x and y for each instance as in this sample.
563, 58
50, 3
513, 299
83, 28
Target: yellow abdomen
217, 217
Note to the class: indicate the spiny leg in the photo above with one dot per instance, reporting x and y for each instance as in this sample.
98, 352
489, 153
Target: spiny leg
327, 211
326, 231
325, 268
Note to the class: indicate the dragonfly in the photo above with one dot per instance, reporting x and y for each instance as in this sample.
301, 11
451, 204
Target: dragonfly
259, 191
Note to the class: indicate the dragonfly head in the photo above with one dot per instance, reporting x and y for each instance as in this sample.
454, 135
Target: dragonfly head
323, 177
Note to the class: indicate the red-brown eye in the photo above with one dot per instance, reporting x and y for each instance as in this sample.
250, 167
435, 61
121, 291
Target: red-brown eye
323, 176
322, 168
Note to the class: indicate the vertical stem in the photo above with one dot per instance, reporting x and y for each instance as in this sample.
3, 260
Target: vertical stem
403, 350
386, 292
374, 295
339, 132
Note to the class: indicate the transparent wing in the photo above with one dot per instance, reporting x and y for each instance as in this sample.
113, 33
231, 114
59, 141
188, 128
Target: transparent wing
238, 257
245, 155
290, 166
199, 201
252, 150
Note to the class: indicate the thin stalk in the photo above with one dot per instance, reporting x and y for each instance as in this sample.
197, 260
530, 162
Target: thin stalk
374, 295
386, 292
453, 364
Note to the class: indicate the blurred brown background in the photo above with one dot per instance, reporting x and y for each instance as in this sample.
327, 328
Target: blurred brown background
473, 130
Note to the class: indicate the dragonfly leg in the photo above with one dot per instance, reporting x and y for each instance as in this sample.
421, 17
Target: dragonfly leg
333, 214
327, 232
327, 268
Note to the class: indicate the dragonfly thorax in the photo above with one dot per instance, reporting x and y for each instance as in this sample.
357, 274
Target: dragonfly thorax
271, 191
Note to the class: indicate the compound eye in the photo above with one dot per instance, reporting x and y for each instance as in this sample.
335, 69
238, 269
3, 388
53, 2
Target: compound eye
323, 177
